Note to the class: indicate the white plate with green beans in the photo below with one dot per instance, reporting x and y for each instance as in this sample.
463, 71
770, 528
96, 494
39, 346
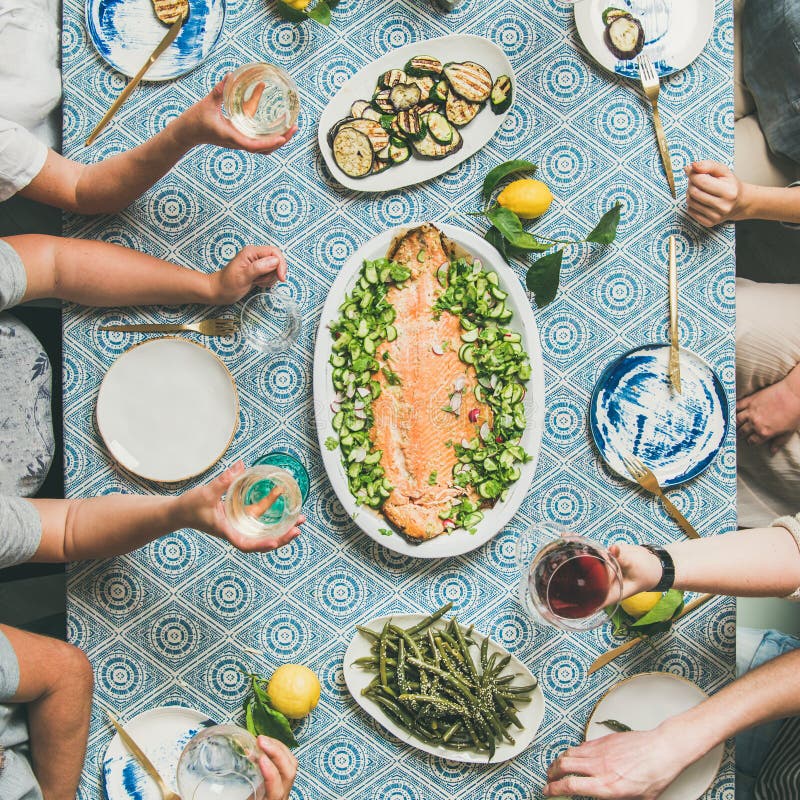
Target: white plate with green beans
327, 402
443, 688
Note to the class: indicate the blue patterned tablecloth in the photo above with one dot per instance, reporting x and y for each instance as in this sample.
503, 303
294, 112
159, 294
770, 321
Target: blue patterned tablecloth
180, 620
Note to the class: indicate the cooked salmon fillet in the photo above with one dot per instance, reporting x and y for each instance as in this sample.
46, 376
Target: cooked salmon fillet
411, 428
170, 11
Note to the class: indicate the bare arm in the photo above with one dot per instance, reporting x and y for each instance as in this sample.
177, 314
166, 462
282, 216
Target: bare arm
114, 183
763, 562
56, 684
640, 765
100, 274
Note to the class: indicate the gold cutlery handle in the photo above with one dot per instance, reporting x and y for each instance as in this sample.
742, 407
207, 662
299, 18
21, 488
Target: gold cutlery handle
139, 755
663, 148
674, 357
686, 526
154, 328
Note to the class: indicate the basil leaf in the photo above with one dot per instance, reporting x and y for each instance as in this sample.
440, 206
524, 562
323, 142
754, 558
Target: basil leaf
606, 230
494, 176
290, 14
543, 277
321, 13
615, 725
265, 720
663, 611
619, 619
508, 223
496, 239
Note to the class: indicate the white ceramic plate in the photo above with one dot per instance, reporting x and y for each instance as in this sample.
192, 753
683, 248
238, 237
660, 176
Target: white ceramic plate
523, 322
162, 733
125, 33
530, 714
167, 409
676, 31
645, 701
362, 85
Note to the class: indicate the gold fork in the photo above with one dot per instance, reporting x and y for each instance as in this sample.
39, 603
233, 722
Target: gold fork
645, 478
207, 327
652, 86
674, 357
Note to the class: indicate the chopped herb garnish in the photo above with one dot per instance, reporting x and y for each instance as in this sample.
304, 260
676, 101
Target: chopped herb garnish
433, 477
384, 532
331, 443
392, 378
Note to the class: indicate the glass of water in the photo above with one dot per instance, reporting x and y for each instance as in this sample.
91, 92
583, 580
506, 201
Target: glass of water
261, 100
270, 321
219, 763
263, 502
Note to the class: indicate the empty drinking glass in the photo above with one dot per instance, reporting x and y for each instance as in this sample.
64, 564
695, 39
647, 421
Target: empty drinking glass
261, 100
270, 321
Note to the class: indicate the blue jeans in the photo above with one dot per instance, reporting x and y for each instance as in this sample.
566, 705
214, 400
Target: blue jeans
754, 648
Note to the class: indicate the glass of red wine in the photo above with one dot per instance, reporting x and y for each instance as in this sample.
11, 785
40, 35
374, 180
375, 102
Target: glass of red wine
570, 582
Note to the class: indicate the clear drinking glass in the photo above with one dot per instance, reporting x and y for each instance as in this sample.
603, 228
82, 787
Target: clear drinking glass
264, 501
270, 321
261, 100
219, 763
570, 581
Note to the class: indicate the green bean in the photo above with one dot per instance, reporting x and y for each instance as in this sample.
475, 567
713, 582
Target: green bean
428, 621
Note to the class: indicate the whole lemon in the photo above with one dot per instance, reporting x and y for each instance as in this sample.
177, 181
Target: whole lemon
293, 690
527, 198
638, 605
298, 5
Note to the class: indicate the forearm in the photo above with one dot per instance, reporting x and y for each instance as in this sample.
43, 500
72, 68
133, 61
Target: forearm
100, 274
101, 527
770, 202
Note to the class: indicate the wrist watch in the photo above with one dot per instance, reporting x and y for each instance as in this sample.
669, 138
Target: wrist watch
667, 568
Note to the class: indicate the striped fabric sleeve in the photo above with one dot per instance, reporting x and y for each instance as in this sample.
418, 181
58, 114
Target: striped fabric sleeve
779, 778
792, 225
792, 524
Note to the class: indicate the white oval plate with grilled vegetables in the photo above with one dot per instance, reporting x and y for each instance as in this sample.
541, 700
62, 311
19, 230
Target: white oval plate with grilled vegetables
529, 714
523, 322
426, 157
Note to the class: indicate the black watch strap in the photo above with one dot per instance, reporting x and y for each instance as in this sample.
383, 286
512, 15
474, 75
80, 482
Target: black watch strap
667, 568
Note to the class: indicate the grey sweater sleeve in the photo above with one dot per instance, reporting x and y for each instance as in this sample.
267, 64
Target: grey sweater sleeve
20, 531
13, 279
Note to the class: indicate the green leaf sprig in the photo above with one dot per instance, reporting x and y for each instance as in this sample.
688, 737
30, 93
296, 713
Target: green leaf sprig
321, 12
657, 620
261, 719
508, 236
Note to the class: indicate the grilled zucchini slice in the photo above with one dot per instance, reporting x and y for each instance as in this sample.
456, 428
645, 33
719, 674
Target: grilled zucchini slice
352, 152
404, 95
392, 77
440, 91
411, 124
424, 66
380, 166
501, 94
469, 80
426, 85
460, 111
399, 151
382, 103
374, 131
358, 108
439, 127
428, 107
428, 147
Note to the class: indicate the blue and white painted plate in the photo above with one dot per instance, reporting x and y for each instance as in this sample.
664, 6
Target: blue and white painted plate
125, 33
676, 31
635, 411
162, 733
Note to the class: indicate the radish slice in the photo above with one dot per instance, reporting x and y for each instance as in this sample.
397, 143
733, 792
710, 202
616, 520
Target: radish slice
460, 383
485, 432
474, 414
335, 407
437, 349
465, 443
358, 405
350, 391
358, 455
363, 391
360, 414
455, 402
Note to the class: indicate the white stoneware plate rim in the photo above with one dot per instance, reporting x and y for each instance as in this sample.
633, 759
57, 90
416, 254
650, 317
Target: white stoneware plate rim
228, 406
129, 61
645, 710
523, 322
356, 679
456, 47
589, 22
149, 729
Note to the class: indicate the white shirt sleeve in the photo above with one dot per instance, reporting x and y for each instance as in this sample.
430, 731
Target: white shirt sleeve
22, 157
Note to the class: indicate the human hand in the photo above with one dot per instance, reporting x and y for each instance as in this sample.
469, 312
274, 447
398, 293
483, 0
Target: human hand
203, 123
278, 766
202, 509
252, 266
769, 415
641, 569
714, 194
637, 765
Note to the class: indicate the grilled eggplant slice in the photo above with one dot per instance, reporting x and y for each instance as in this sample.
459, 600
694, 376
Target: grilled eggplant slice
359, 107
382, 103
469, 80
428, 107
428, 147
460, 111
501, 94
411, 124
399, 151
335, 129
371, 113
624, 37
439, 127
440, 91
374, 131
392, 77
380, 166
426, 85
405, 95
424, 66
352, 152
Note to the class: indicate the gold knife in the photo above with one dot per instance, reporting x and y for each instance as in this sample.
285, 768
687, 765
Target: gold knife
172, 34
674, 354
608, 657
134, 748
